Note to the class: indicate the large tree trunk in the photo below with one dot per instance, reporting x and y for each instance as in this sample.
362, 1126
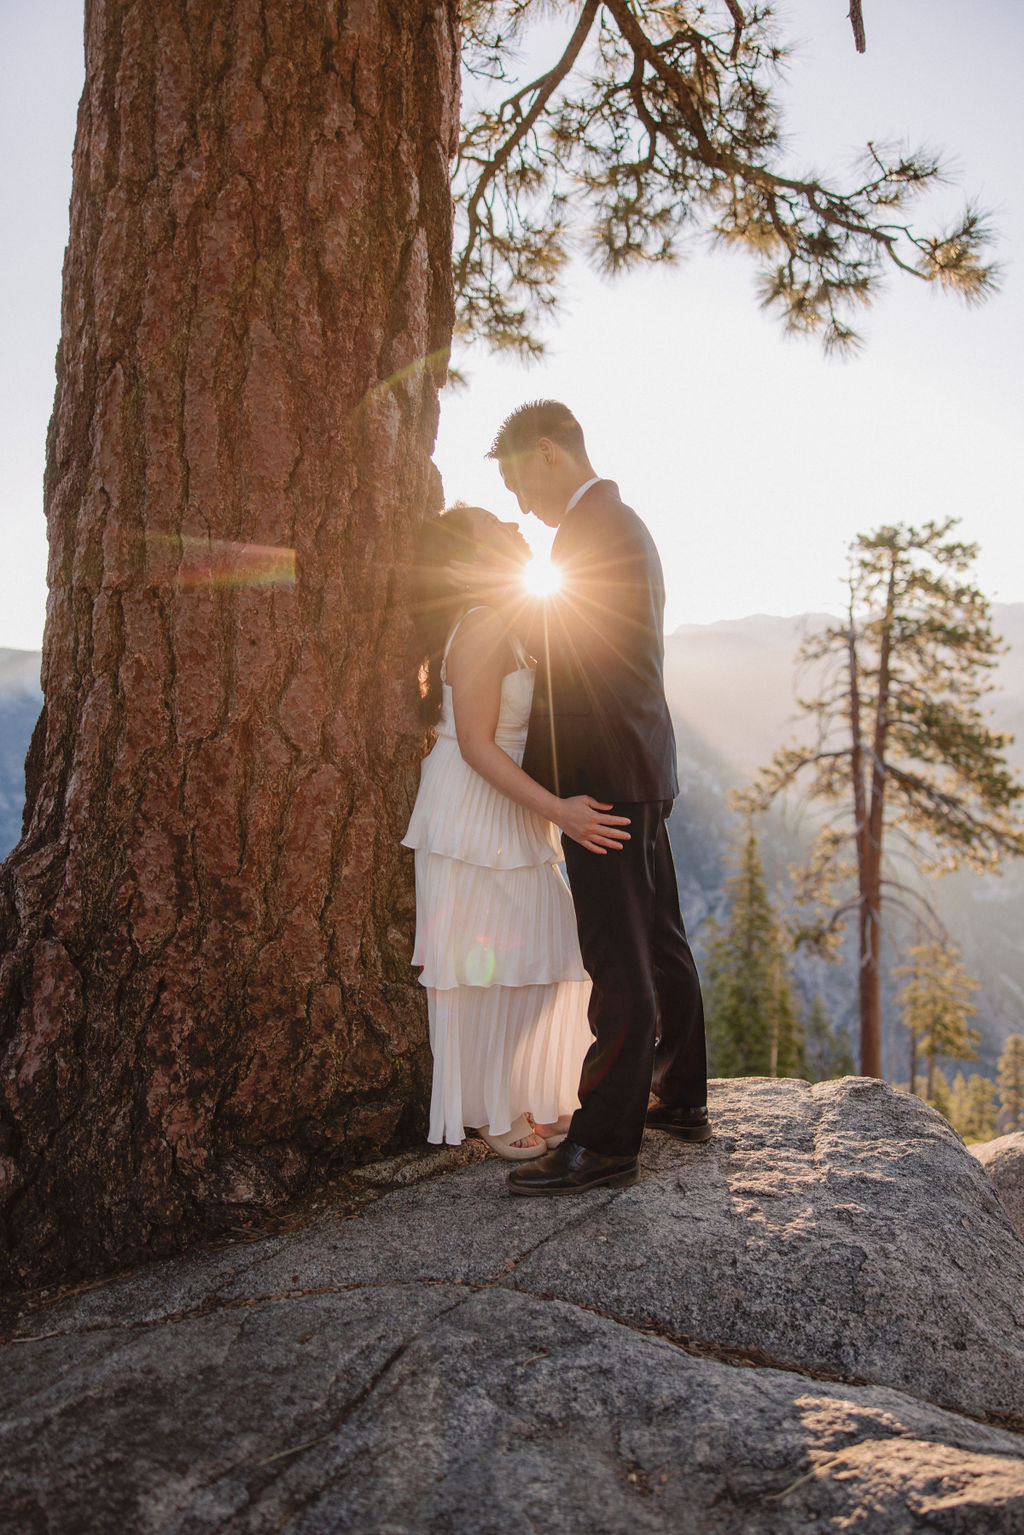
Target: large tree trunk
205, 989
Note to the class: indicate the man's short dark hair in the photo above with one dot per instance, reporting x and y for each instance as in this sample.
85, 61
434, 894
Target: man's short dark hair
522, 430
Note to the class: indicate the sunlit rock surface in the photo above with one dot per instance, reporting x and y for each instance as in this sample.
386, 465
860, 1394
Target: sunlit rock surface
814, 1322
1003, 1161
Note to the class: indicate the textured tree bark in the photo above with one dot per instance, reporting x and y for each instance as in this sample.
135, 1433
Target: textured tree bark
205, 992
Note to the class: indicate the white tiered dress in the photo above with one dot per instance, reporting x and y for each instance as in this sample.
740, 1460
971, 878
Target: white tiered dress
496, 935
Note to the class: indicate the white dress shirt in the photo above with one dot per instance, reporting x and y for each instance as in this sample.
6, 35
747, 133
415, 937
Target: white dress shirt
594, 480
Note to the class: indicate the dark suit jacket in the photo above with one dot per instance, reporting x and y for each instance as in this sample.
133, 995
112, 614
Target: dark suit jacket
600, 724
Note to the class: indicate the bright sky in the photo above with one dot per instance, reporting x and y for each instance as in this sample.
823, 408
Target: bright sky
753, 460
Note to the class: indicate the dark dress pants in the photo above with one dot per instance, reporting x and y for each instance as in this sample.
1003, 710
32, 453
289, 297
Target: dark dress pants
646, 1013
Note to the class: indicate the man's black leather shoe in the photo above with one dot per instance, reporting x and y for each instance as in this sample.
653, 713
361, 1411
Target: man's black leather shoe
688, 1124
571, 1169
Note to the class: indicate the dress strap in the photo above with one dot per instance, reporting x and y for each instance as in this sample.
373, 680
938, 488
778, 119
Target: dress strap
476, 608
517, 648
453, 631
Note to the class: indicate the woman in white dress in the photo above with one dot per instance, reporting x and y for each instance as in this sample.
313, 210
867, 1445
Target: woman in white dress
495, 929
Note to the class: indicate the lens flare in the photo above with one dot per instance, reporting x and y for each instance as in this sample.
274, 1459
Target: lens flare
541, 578
191, 564
478, 967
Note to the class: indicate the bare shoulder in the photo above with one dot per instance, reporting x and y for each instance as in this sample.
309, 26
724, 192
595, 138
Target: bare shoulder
481, 621
480, 644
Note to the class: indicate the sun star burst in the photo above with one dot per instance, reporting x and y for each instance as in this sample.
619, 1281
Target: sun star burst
541, 578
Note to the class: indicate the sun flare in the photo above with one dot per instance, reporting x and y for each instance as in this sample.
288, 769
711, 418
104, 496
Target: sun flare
541, 578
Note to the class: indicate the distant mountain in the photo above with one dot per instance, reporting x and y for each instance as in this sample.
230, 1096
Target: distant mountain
734, 683
20, 702
732, 691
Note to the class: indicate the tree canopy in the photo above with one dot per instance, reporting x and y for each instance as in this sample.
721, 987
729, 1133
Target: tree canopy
639, 124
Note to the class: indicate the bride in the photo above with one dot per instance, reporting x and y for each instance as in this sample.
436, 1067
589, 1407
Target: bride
496, 936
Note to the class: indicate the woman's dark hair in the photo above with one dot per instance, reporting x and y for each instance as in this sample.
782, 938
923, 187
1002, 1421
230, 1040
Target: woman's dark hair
435, 601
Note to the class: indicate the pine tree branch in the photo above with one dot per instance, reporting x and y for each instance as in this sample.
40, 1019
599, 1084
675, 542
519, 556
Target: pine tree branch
545, 87
913, 896
857, 22
672, 124
739, 22
951, 813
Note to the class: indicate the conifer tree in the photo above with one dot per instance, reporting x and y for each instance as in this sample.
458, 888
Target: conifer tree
901, 749
752, 1025
1011, 1084
647, 123
790, 1053
969, 1105
942, 1096
935, 1005
979, 1122
955, 1108
205, 989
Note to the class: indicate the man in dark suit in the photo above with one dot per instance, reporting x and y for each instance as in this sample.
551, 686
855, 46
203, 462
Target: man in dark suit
600, 726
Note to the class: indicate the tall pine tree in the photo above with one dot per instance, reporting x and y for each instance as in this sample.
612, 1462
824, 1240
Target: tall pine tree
980, 1119
205, 990
901, 746
753, 1029
969, 1105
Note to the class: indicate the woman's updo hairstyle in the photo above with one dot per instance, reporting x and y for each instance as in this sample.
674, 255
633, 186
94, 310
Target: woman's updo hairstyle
435, 600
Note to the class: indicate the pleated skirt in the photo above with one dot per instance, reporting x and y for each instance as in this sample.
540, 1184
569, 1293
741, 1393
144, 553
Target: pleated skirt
493, 927
507, 993
500, 1051
497, 942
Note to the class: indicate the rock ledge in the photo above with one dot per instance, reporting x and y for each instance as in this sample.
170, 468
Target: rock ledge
815, 1320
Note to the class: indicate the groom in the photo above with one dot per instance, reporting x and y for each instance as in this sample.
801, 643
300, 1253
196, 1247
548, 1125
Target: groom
600, 726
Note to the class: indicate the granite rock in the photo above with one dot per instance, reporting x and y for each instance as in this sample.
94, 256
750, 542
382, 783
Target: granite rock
1003, 1161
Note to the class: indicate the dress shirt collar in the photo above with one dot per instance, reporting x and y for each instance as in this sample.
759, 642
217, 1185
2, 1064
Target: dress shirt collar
580, 493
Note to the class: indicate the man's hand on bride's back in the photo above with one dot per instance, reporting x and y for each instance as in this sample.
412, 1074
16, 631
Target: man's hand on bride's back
586, 821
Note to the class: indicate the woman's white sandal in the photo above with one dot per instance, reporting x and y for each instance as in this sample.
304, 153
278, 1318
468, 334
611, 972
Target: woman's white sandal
503, 1146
